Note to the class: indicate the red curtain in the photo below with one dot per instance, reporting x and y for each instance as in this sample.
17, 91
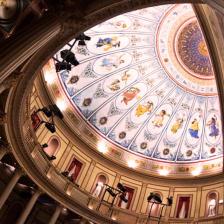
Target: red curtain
130, 192
36, 121
180, 204
78, 165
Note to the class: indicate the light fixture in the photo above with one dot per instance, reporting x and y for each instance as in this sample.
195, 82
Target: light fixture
121, 187
149, 198
170, 201
45, 145
123, 198
82, 36
60, 66
69, 57
114, 192
56, 111
51, 157
46, 111
51, 110
111, 192
196, 171
163, 172
81, 43
64, 211
49, 126
155, 197
49, 78
132, 163
102, 147
61, 104
114, 218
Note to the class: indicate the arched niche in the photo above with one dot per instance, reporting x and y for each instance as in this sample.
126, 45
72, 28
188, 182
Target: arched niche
54, 145
212, 204
98, 185
129, 195
154, 207
183, 206
74, 169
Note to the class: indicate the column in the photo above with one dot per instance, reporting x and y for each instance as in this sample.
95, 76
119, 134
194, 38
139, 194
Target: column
56, 215
141, 198
4, 196
64, 157
88, 175
28, 208
198, 201
168, 208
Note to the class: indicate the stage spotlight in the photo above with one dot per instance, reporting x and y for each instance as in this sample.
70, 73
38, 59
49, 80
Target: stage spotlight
45, 145
150, 197
170, 201
50, 127
82, 36
110, 191
123, 198
60, 66
51, 158
155, 197
81, 43
46, 111
56, 111
69, 57
121, 187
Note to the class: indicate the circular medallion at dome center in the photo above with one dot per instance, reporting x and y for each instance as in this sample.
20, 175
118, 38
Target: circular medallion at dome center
192, 51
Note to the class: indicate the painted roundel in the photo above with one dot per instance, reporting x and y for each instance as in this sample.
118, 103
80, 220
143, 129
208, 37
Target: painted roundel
145, 84
193, 52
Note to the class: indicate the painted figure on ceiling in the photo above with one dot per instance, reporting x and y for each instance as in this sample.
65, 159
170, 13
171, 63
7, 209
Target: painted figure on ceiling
119, 24
144, 108
130, 94
108, 43
194, 128
177, 125
159, 118
125, 77
116, 84
112, 62
213, 126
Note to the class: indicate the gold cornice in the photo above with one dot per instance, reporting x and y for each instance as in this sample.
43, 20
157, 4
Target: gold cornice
110, 163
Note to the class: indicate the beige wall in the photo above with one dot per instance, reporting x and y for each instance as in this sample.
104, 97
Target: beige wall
91, 169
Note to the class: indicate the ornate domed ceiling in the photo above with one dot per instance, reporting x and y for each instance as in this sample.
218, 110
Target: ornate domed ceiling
145, 84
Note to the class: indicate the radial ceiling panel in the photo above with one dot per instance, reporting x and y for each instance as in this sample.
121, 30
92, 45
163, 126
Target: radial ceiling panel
145, 83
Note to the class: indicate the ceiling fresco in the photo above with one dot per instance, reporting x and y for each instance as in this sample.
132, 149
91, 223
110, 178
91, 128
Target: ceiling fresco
146, 84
